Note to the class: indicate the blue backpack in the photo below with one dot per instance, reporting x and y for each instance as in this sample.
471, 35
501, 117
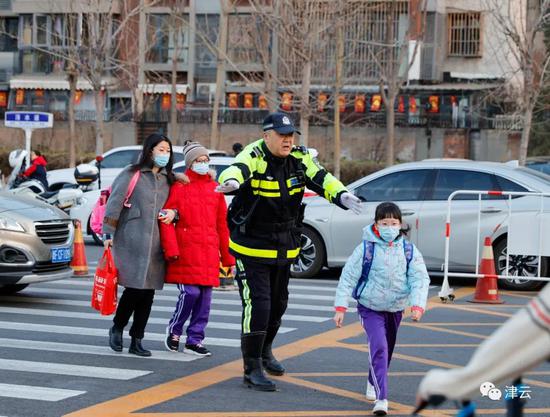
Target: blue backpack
368, 254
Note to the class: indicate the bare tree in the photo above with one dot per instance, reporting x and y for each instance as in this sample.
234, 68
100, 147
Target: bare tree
393, 55
524, 57
220, 70
98, 31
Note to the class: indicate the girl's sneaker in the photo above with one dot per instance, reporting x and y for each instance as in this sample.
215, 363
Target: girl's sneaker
172, 342
198, 350
370, 393
380, 408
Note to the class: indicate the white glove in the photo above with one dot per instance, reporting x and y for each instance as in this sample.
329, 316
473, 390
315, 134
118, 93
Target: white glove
351, 202
228, 186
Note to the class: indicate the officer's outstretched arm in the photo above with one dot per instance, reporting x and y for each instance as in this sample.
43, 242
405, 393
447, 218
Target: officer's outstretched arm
519, 345
239, 172
321, 181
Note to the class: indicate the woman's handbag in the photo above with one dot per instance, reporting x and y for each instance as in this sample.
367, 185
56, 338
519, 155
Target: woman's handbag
104, 294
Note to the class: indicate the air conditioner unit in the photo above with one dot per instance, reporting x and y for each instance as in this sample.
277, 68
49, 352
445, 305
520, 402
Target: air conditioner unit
206, 92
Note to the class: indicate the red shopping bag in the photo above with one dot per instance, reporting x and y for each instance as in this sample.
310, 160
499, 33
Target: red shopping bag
104, 294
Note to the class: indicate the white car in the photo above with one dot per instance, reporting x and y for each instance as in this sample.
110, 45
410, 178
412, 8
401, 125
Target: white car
421, 190
83, 211
113, 163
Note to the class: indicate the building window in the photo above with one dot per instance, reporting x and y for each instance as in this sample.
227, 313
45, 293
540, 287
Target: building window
162, 42
8, 34
464, 34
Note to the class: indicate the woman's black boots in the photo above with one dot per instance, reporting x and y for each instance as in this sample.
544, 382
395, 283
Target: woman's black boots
115, 339
254, 377
137, 349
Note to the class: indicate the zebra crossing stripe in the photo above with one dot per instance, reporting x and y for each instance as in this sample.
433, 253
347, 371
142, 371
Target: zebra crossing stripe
29, 392
28, 298
88, 282
72, 370
90, 350
87, 331
94, 316
161, 297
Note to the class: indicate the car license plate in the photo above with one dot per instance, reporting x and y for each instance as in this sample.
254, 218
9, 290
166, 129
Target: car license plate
61, 255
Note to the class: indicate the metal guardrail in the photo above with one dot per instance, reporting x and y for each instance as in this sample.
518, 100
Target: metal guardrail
446, 291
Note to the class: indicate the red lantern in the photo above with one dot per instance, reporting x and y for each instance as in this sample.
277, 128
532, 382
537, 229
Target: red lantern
376, 103
20, 97
433, 104
413, 105
233, 100
286, 101
401, 104
248, 101
454, 101
39, 93
77, 97
166, 102
341, 103
180, 101
262, 102
360, 103
322, 102
3, 99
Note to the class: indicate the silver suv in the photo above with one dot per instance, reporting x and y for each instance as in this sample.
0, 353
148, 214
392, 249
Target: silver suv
36, 242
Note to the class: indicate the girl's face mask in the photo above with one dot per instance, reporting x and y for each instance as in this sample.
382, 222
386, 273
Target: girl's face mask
201, 168
389, 233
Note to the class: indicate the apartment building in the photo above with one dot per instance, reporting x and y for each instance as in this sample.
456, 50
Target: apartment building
458, 58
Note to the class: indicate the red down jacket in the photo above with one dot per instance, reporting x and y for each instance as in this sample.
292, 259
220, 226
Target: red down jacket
200, 238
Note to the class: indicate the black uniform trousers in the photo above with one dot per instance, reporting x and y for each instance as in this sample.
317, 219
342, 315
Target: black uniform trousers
138, 302
264, 294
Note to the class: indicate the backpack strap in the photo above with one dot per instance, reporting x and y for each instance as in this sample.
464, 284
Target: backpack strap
131, 187
368, 254
408, 248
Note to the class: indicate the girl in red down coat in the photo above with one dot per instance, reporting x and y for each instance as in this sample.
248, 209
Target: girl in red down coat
193, 248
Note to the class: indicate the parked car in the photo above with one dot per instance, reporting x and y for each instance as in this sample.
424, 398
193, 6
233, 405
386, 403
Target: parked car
36, 241
539, 163
112, 164
83, 211
421, 190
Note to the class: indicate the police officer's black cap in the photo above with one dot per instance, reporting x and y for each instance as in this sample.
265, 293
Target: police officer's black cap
280, 123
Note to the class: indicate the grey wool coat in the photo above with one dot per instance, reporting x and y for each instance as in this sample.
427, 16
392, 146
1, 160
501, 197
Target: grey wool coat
136, 240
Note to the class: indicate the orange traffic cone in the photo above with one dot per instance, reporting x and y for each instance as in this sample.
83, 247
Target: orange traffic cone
486, 286
79, 263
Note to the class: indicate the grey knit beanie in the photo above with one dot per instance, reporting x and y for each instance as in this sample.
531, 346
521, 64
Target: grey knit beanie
191, 151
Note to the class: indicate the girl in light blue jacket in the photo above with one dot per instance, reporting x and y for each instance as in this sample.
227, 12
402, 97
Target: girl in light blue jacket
386, 274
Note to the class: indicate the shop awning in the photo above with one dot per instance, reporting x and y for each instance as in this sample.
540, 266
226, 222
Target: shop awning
46, 83
163, 88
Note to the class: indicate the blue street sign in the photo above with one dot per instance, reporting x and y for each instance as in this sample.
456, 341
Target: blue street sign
28, 119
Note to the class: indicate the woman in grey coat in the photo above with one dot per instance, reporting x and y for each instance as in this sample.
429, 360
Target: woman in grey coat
133, 232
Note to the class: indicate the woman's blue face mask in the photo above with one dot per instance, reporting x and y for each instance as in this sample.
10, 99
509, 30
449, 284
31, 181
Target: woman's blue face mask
161, 160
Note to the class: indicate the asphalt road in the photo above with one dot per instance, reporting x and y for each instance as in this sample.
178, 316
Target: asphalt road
54, 357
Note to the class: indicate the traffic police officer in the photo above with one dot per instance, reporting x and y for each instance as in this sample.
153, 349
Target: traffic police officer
268, 179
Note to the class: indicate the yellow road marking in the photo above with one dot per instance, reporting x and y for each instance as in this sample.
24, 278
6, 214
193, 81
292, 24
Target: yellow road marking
130, 404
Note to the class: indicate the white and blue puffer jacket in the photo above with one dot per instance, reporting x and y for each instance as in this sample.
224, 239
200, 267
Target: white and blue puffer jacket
390, 286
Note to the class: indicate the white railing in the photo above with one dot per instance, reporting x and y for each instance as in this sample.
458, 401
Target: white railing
447, 292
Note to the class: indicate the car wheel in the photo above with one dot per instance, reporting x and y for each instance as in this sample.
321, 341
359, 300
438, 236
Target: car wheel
12, 288
518, 266
312, 255
98, 239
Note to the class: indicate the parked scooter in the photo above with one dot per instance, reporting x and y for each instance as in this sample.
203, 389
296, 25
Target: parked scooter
63, 195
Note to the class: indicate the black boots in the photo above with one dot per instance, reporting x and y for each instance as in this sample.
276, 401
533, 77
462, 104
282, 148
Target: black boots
137, 349
254, 377
271, 365
115, 339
